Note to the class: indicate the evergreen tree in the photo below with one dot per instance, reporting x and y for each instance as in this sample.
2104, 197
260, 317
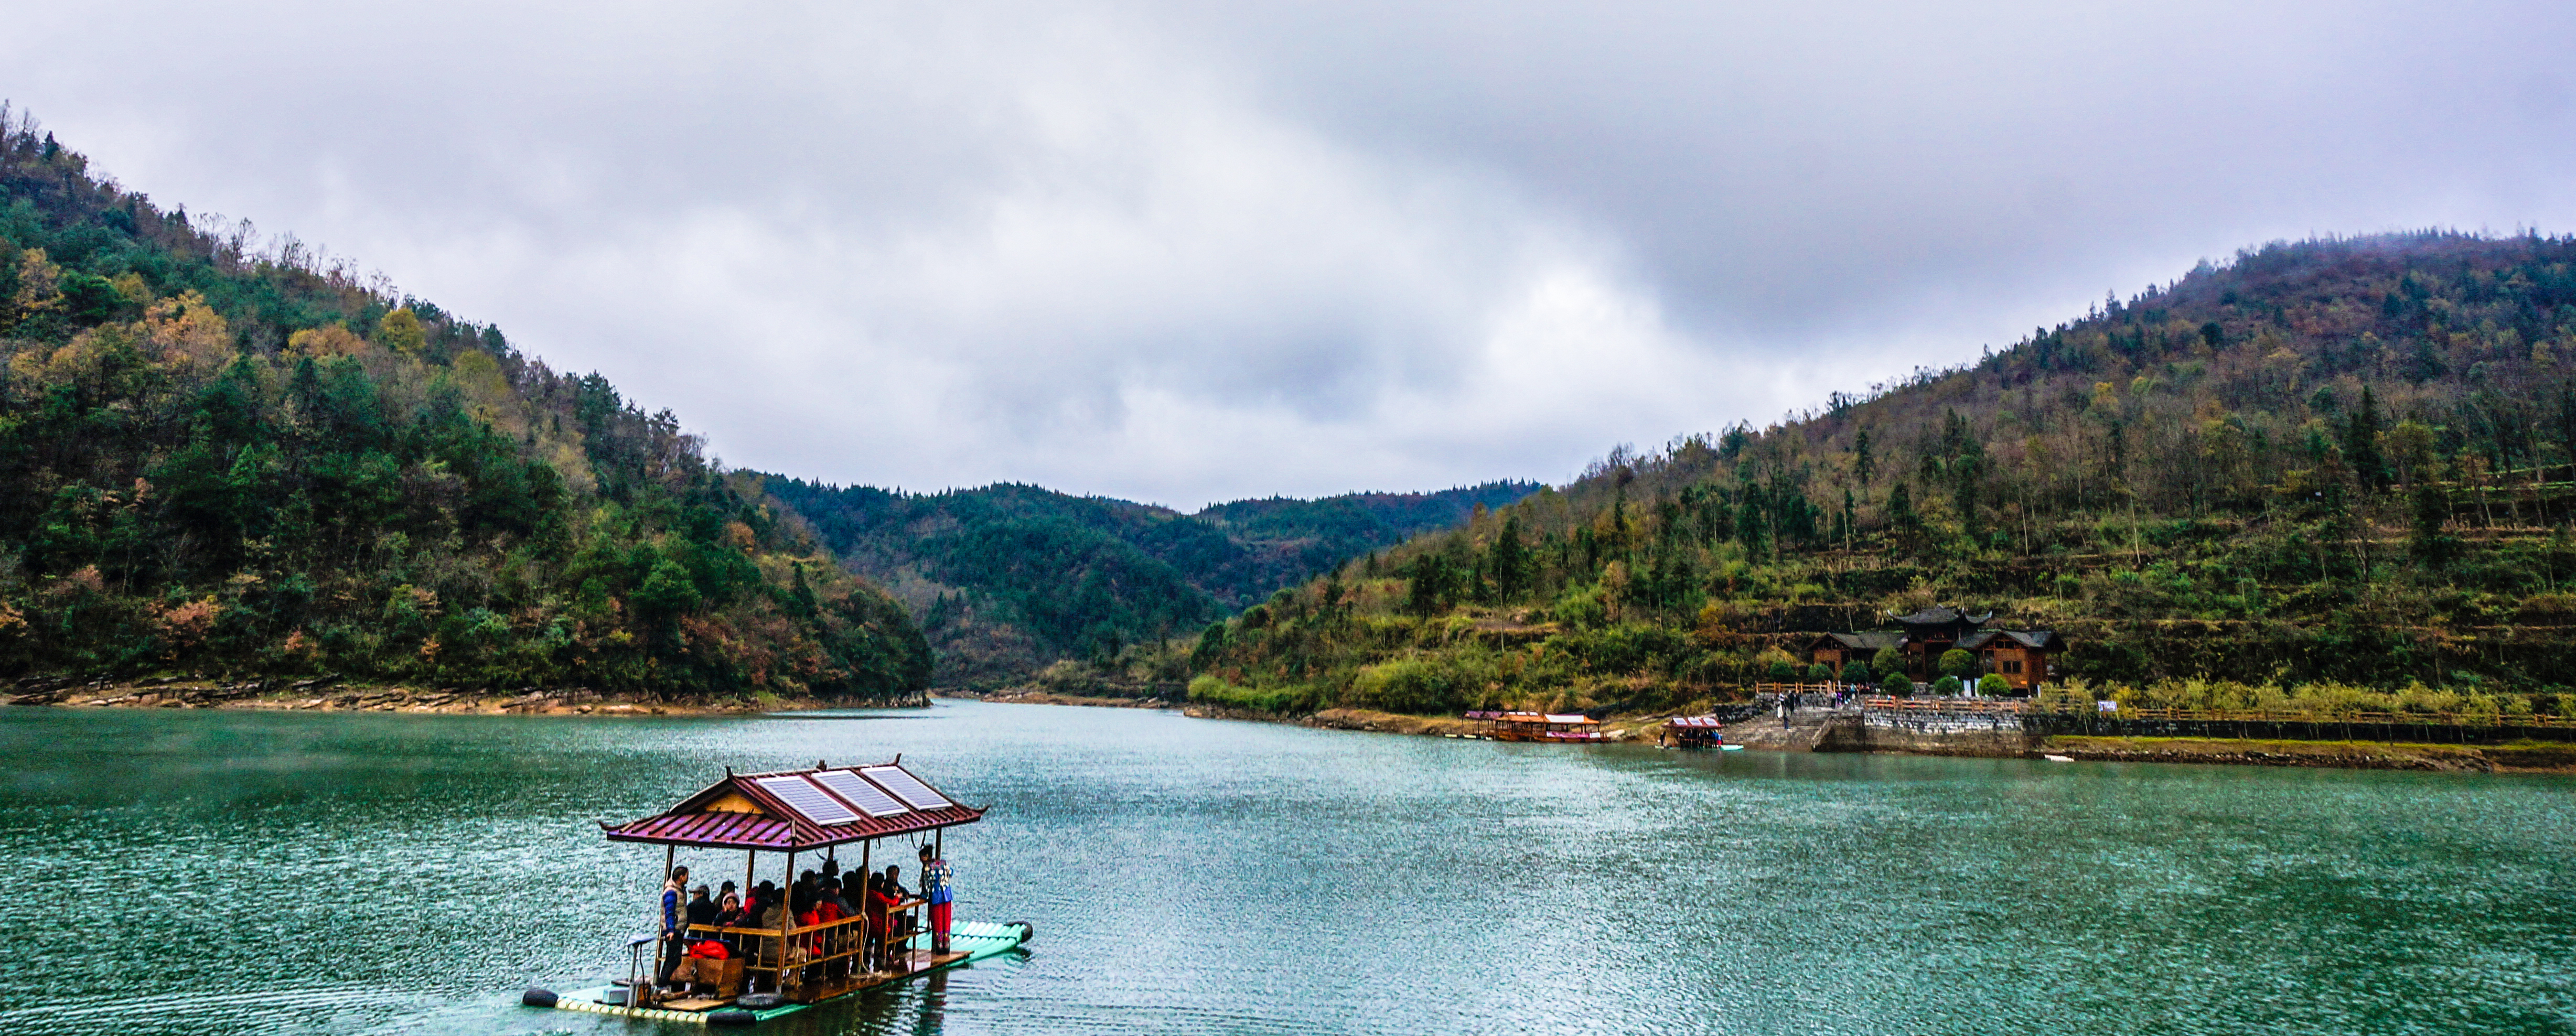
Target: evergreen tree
1509, 561
2361, 449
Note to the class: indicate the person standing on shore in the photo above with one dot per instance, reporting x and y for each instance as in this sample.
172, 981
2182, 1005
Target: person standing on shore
934, 887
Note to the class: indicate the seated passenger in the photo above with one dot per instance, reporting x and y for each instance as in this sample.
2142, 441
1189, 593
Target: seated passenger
883, 895
702, 911
773, 907
872, 905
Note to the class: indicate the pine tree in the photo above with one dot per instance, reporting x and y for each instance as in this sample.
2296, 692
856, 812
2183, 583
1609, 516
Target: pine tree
2361, 444
1508, 561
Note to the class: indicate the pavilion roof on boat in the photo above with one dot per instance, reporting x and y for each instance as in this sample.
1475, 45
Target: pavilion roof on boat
1573, 719
798, 810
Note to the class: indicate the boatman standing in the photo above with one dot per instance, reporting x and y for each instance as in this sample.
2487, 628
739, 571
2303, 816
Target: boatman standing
672, 948
934, 888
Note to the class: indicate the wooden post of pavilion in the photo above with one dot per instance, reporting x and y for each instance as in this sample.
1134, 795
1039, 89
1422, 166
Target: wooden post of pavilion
786, 921
643, 990
867, 883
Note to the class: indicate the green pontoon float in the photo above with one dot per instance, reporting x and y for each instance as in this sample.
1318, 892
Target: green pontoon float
771, 971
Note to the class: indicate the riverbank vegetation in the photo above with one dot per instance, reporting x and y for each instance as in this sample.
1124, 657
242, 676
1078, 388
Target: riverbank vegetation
2326, 468
224, 456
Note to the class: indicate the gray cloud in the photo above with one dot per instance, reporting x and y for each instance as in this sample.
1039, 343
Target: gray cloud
1186, 252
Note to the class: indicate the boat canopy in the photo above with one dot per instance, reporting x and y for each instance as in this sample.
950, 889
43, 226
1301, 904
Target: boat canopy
1567, 719
797, 810
1696, 722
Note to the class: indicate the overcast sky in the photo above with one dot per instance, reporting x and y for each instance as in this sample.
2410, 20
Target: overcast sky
1191, 252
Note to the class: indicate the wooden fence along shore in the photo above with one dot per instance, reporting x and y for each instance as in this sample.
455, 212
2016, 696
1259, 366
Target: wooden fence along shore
1939, 714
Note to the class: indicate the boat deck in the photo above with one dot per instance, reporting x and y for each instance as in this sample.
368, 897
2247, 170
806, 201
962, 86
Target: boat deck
969, 942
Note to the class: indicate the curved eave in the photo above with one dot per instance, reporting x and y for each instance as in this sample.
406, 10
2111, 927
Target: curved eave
772, 834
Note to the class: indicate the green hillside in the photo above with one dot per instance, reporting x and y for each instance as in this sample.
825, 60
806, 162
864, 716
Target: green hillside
2331, 467
1009, 578
220, 458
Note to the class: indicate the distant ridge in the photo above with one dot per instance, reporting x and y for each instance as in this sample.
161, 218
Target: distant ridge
1009, 578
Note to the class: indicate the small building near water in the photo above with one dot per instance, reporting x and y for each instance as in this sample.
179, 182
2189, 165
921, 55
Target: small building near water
2025, 659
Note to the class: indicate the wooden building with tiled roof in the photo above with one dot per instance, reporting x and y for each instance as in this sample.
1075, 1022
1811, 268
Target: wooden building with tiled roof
2025, 659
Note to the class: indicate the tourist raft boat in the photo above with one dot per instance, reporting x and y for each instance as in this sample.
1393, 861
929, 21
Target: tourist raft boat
1697, 732
818, 811
1549, 728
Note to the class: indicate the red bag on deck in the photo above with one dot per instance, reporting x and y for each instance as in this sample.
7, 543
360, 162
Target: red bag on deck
709, 949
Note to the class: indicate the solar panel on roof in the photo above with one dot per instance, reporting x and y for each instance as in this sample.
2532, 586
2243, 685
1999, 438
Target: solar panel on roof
868, 797
805, 798
907, 787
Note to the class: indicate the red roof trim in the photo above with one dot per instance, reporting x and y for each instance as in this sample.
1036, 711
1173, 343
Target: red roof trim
784, 829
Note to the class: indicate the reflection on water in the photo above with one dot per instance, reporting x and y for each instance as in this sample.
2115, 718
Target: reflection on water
208, 872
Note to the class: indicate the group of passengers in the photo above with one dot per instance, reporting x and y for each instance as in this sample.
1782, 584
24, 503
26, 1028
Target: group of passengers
817, 897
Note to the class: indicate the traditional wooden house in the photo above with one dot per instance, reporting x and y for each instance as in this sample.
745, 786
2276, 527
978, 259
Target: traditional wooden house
2024, 658
1931, 632
1839, 649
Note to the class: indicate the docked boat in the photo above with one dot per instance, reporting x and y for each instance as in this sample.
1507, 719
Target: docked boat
1550, 728
744, 975
1697, 732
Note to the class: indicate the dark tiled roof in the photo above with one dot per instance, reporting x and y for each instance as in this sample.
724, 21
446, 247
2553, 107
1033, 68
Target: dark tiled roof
770, 822
1871, 641
1941, 616
2025, 638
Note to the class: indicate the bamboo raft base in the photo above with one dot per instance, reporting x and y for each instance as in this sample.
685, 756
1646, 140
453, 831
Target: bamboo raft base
970, 942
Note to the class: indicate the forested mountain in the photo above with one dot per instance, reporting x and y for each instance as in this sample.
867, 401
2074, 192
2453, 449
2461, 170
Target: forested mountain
1008, 578
219, 458
2335, 467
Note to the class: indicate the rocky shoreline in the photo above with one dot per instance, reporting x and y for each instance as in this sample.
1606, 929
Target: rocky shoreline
2347, 755
1765, 734
1041, 696
330, 694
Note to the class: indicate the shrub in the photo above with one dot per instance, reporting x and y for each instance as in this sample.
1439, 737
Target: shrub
1626, 648
1782, 670
1284, 701
1820, 673
1993, 686
1957, 663
1898, 685
1856, 671
1947, 687
1581, 608
1423, 686
1888, 661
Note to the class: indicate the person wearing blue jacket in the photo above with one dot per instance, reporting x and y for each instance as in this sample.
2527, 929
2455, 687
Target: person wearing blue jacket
674, 892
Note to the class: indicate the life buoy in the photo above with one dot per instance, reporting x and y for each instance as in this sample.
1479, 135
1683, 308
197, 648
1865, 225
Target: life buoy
732, 1016
536, 997
1027, 930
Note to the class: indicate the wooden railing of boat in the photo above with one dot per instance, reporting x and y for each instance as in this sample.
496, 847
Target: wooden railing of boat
815, 948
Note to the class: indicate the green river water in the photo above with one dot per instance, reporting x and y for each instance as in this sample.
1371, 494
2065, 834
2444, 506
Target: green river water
208, 872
